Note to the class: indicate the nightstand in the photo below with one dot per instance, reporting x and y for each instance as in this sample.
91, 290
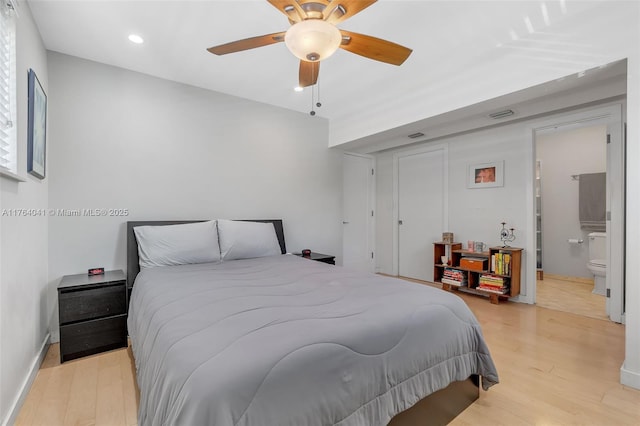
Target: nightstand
325, 258
93, 314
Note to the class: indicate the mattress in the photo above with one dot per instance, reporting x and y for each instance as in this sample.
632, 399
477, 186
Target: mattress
283, 340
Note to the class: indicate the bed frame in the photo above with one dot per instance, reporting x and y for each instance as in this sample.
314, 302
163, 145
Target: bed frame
439, 408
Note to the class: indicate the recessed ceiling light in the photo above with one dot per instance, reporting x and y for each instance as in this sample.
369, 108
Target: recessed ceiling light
135, 38
298, 89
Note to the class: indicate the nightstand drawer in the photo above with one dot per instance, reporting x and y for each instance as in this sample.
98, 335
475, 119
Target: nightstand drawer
80, 304
90, 337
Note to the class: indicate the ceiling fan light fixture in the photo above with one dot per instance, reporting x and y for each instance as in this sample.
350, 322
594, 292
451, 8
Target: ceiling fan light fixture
313, 40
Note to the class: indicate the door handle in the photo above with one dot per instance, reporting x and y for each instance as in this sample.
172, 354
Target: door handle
344, 223
399, 222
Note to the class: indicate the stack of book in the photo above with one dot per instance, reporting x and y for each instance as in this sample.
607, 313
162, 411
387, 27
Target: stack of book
493, 284
501, 263
454, 277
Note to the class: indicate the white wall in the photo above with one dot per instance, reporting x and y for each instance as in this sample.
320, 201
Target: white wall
630, 372
474, 214
563, 154
165, 150
23, 262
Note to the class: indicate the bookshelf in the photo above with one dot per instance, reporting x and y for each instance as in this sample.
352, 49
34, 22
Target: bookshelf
494, 273
442, 249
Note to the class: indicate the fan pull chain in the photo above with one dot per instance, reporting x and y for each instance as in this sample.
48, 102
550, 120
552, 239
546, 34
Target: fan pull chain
312, 111
312, 92
313, 89
318, 104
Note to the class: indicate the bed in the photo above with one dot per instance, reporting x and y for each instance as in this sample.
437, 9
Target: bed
282, 340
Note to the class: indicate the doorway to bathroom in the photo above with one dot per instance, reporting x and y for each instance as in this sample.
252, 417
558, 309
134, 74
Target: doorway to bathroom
579, 205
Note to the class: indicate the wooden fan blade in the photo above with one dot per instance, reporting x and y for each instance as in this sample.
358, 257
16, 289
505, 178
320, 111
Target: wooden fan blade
308, 73
290, 8
247, 43
351, 7
374, 48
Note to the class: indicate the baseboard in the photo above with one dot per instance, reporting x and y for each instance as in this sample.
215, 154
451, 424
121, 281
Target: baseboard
26, 385
629, 378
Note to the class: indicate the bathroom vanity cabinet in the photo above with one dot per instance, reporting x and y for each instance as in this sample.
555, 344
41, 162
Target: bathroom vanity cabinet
494, 273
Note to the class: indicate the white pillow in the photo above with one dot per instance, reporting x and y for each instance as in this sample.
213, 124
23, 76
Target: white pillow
177, 244
245, 240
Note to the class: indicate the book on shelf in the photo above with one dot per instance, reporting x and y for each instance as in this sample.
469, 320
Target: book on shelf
492, 280
492, 289
454, 282
454, 273
501, 263
454, 277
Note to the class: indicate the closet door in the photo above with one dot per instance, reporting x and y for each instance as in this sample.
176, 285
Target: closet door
357, 219
421, 207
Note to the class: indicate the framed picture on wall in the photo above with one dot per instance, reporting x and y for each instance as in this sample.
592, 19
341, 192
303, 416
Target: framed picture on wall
37, 127
486, 175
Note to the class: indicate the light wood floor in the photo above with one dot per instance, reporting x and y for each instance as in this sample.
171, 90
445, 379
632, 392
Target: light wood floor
95, 390
555, 368
570, 296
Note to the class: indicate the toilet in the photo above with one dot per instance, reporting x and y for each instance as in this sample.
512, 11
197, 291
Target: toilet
598, 261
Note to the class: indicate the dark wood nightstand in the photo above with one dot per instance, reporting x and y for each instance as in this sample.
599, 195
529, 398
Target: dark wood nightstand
93, 314
325, 258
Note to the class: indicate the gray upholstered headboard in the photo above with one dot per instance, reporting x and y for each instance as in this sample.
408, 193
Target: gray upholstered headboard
133, 265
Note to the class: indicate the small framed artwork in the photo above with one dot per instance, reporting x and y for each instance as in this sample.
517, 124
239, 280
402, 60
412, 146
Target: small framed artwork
37, 127
486, 175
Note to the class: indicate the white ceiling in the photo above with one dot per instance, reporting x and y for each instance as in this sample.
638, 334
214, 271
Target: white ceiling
449, 38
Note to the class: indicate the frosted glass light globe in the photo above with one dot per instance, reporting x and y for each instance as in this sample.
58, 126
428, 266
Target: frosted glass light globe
313, 40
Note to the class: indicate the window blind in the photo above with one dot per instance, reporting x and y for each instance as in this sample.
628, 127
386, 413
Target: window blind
8, 144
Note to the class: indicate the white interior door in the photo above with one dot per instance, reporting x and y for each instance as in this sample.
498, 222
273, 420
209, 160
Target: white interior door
421, 202
615, 218
357, 228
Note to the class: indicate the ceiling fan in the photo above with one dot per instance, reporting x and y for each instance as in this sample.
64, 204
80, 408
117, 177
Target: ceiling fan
313, 36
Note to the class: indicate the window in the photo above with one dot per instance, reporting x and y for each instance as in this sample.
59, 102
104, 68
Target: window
8, 142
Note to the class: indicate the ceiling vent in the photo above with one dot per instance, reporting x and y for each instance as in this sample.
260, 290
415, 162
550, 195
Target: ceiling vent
416, 135
501, 114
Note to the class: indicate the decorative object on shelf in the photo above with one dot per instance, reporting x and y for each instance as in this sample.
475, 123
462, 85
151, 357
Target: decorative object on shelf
36, 127
445, 260
479, 246
506, 235
486, 175
447, 237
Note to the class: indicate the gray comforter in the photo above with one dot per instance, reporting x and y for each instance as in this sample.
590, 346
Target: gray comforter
287, 341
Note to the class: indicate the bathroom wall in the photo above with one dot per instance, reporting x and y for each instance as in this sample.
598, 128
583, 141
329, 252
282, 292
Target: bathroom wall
563, 153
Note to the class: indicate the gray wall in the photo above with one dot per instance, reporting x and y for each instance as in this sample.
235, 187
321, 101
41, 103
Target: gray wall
163, 150
23, 248
561, 155
473, 214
